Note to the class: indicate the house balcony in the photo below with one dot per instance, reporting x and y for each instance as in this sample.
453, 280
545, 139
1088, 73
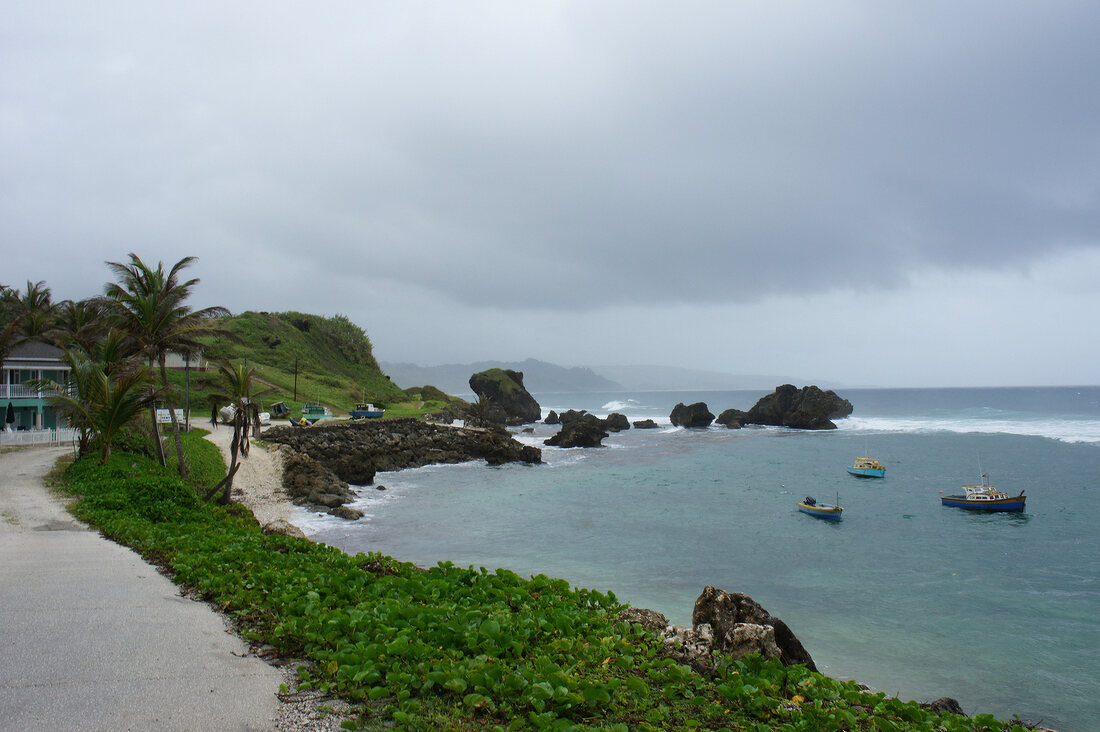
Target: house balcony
21, 391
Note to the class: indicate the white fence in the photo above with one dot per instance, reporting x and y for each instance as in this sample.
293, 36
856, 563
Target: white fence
62, 436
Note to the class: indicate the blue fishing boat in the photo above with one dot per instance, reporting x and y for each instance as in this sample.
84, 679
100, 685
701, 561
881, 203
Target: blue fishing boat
810, 506
865, 467
367, 411
985, 497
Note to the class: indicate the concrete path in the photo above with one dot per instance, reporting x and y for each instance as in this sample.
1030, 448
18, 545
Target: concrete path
93, 638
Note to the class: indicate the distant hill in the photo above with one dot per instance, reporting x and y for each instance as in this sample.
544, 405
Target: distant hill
671, 378
538, 376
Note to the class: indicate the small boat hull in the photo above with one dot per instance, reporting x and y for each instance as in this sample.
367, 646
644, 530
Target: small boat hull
867, 472
1009, 504
366, 411
822, 510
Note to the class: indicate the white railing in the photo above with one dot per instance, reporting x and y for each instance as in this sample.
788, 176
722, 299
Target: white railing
59, 436
21, 391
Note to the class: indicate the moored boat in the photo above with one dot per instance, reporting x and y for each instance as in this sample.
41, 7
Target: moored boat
366, 411
313, 411
865, 467
810, 506
985, 497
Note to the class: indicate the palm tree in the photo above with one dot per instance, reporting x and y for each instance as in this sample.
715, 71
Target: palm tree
79, 324
99, 399
24, 316
150, 305
235, 383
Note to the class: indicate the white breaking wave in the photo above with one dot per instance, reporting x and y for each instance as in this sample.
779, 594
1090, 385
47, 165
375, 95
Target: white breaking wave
1066, 430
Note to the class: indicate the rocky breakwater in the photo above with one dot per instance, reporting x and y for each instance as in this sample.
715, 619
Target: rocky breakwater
325, 458
808, 408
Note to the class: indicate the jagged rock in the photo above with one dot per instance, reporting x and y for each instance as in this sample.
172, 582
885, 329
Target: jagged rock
346, 512
745, 638
571, 414
552, 418
694, 415
807, 408
508, 402
585, 431
732, 418
723, 610
645, 424
944, 704
616, 422
648, 619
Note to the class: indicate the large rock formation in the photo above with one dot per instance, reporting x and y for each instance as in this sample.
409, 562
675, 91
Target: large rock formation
693, 415
616, 422
323, 459
505, 399
807, 408
584, 431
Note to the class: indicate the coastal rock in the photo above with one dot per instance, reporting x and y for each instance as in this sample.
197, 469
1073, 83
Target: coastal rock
746, 638
570, 415
692, 416
808, 408
616, 422
352, 451
645, 424
309, 482
649, 619
284, 527
552, 418
724, 610
507, 401
346, 512
585, 431
732, 418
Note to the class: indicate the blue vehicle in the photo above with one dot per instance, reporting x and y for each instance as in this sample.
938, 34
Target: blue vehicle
865, 467
821, 510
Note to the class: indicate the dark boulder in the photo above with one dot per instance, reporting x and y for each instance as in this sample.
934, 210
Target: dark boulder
723, 611
616, 422
944, 704
586, 431
552, 418
645, 424
506, 400
571, 414
693, 416
732, 418
808, 408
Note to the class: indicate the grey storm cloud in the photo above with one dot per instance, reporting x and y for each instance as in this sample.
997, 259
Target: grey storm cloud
615, 152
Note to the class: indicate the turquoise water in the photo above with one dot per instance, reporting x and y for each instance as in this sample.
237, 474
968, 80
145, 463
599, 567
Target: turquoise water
999, 611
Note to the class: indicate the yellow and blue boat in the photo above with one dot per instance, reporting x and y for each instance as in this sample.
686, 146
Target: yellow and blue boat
865, 467
821, 510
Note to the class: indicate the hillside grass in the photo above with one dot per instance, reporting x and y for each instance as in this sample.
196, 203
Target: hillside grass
334, 361
451, 647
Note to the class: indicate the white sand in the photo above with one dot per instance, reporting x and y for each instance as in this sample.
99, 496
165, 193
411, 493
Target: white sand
258, 483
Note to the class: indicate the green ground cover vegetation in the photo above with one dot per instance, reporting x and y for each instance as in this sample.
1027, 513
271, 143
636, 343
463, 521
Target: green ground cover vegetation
451, 647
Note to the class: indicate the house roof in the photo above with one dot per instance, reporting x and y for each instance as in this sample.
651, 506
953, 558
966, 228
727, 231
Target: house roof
35, 355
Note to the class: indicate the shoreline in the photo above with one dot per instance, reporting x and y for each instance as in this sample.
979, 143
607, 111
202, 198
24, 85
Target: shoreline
258, 484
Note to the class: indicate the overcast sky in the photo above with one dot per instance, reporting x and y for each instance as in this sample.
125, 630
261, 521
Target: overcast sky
862, 193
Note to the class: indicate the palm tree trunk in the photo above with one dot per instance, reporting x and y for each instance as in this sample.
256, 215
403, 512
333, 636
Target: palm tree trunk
172, 411
153, 416
234, 446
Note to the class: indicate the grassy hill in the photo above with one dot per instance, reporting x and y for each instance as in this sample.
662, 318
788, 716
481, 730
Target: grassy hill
331, 356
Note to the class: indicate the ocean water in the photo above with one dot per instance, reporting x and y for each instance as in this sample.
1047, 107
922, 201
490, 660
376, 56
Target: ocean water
1001, 612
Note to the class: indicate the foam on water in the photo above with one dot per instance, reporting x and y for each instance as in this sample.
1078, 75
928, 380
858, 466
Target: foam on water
1073, 431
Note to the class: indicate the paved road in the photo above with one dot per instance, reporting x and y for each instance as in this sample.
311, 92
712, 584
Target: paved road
93, 638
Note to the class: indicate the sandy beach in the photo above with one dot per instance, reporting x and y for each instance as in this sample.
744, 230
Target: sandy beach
258, 483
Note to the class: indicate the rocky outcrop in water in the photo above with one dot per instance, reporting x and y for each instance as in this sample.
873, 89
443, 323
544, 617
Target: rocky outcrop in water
584, 431
616, 422
732, 418
645, 424
808, 408
505, 399
692, 416
324, 458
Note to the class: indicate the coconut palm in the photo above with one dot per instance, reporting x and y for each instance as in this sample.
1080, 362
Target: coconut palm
150, 305
235, 384
99, 399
